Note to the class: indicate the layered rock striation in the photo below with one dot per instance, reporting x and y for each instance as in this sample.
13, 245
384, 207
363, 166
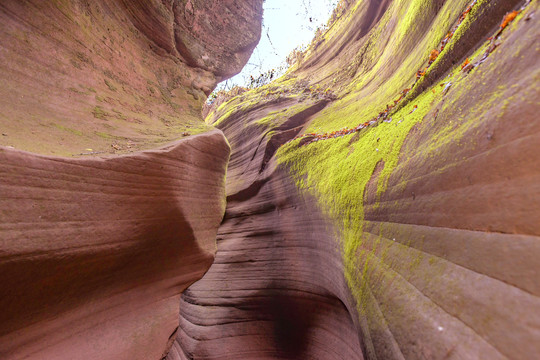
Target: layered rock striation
95, 251
381, 198
404, 224
276, 288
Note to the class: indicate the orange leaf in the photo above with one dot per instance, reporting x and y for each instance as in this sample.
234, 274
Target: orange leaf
433, 55
509, 18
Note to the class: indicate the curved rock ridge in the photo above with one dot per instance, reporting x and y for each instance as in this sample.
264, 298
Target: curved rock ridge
413, 238
95, 252
115, 76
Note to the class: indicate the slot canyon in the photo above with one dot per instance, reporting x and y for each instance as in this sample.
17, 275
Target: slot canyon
380, 200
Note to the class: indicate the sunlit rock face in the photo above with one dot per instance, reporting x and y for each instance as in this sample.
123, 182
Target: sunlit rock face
112, 187
91, 74
405, 225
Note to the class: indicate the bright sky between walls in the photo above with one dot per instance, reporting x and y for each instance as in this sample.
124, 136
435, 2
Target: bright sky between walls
287, 24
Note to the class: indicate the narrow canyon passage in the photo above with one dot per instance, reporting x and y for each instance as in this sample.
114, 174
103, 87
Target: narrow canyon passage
378, 201
276, 289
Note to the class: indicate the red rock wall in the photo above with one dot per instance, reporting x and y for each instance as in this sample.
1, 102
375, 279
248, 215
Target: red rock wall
115, 76
96, 252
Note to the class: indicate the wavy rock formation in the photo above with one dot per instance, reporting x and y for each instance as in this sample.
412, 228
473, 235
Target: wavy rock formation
94, 252
382, 197
413, 233
276, 287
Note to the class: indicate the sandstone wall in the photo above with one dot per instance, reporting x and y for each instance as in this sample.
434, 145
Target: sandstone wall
95, 252
98, 238
115, 76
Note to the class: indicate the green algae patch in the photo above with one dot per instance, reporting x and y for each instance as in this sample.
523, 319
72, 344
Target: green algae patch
271, 118
275, 119
67, 129
336, 172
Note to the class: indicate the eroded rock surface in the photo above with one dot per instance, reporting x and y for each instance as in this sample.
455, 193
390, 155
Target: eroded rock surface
415, 236
404, 225
276, 289
79, 75
95, 251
